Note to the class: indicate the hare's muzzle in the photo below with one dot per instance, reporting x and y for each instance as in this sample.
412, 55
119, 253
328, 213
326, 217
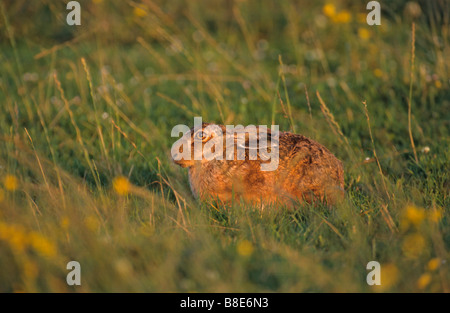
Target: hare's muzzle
180, 158
183, 163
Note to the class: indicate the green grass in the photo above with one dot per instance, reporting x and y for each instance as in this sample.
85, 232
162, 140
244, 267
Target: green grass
231, 63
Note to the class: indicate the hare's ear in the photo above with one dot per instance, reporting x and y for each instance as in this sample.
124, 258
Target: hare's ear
254, 138
267, 138
211, 131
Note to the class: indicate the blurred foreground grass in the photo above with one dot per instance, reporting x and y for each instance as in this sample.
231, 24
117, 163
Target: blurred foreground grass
85, 143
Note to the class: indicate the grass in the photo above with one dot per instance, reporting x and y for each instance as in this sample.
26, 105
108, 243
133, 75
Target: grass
85, 145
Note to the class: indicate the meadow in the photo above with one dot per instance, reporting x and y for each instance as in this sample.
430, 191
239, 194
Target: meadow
87, 111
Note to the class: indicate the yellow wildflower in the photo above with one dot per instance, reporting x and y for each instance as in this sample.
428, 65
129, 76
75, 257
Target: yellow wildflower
329, 10
42, 245
433, 264
342, 17
121, 185
438, 84
413, 215
10, 182
139, 12
245, 248
424, 281
363, 33
17, 238
378, 73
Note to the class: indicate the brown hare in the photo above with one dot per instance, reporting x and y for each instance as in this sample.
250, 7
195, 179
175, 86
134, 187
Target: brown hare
301, 170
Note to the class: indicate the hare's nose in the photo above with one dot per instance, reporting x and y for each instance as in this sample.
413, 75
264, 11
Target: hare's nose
177, 153
177, 156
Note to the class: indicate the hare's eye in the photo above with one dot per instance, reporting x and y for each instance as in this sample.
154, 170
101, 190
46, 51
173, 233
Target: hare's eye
201, 135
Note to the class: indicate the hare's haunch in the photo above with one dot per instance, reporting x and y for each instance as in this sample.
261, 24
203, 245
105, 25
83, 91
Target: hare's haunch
302, 169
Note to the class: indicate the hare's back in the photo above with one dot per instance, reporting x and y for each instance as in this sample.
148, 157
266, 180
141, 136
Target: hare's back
306, 164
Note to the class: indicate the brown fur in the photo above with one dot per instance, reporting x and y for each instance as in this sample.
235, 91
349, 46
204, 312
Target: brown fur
306, 171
